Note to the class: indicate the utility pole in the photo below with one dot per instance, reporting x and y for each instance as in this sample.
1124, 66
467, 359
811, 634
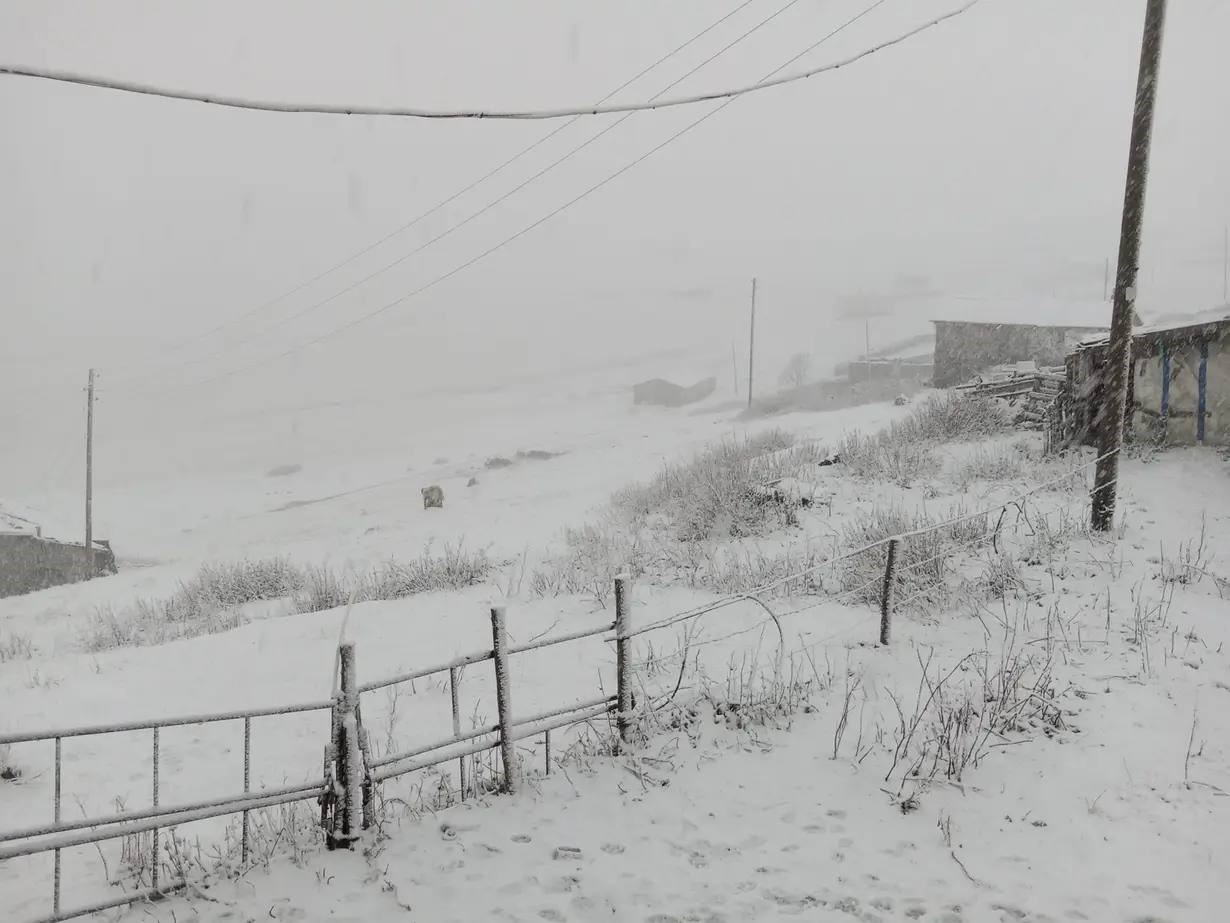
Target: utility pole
1225, 266
867, 343
751, 348
1113, 409
734, 366
89, 469
1106, 280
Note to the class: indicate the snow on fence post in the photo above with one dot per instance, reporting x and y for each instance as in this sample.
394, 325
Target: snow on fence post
247, 784
454, 694
348, 776
153, 871
352, 819
623, 663
886, 595
499, 650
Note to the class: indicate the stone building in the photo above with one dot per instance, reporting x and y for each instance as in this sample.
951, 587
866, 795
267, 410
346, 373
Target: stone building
966, 347
1178, 392
29, 562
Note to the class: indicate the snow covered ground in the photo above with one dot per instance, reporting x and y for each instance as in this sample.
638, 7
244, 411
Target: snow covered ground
1105, 802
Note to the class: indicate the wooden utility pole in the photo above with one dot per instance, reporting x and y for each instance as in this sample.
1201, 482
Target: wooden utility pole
1112, 409
1225, 265
89, 468
751, 348
734, 365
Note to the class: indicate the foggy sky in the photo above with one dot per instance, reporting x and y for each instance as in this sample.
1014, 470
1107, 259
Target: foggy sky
986, 156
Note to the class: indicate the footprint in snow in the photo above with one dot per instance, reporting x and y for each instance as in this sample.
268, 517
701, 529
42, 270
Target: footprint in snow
614, 849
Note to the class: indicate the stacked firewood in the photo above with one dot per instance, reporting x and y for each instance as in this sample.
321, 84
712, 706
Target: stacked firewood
1031, 392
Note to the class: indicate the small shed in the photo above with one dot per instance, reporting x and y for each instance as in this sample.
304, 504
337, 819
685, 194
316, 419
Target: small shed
972, 339
1179, 389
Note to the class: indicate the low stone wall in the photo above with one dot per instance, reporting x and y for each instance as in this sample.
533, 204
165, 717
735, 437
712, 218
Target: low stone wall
29, 563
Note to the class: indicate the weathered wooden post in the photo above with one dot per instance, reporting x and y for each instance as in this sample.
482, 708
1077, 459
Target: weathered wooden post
347, 756
454, 693
623, 663
503, 700
886, 595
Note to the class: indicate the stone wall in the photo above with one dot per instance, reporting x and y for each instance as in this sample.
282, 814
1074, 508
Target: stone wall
29, 563
963, 349
1174, 422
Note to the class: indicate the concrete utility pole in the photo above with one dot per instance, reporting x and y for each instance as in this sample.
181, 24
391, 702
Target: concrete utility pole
89, 468
751, 348
1113, 405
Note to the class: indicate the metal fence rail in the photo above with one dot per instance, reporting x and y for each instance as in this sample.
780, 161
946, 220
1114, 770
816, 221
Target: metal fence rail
60, 834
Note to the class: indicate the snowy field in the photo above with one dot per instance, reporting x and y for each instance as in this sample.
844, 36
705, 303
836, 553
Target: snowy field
851, 785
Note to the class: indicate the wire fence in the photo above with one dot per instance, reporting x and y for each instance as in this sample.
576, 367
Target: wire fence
346, 789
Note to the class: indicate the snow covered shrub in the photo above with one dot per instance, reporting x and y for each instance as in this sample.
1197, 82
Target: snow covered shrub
884, 457
924, 561
239, 582
455, 569
741, 568
952, 417
592, 557
721, 491
999, 463
209, 603
1001, 576
8, 771
322, 589
16, 647
902, 453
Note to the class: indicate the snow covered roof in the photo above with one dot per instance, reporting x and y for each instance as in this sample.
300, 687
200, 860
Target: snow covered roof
11, 522
1029, 312
1193, 323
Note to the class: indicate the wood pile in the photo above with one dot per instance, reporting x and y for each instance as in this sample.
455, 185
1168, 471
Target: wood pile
1034, 392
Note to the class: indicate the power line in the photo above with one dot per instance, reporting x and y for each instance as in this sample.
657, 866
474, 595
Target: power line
456, 195
303, 312
235, 102
589, 191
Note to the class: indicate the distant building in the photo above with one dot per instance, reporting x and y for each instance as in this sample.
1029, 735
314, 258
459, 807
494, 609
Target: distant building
972, 339
30, 562
663, 393
1178, 392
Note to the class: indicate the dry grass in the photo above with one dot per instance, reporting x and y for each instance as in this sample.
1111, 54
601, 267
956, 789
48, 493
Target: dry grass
213, 601
924, 562
720, 492
206, 604
593, 556
455, 568
902, 453
16, 647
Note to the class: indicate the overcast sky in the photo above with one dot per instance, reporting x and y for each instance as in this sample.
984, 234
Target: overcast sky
986, 156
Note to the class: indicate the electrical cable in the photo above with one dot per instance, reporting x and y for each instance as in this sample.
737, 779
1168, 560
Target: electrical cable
236, 102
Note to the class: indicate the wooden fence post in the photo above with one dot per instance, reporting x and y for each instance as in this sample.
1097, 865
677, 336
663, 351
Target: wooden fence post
886, 596
499, 649
623, 663
349, 759
454, 694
